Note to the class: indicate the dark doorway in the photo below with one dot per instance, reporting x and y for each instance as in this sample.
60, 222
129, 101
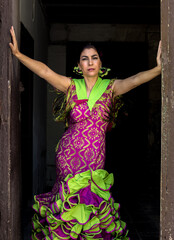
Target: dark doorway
26, 87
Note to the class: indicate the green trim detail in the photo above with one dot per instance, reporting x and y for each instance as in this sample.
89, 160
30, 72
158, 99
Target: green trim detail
96, 92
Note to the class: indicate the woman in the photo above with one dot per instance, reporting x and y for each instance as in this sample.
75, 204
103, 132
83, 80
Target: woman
80, 205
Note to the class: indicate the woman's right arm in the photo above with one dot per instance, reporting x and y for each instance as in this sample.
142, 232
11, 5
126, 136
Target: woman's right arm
42, 70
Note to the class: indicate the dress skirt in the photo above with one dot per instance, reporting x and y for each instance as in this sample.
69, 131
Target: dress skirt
82, 209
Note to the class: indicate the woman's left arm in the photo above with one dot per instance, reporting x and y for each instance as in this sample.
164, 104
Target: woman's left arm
125, 85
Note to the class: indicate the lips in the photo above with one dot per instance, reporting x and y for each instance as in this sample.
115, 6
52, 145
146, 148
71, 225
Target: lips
91, 69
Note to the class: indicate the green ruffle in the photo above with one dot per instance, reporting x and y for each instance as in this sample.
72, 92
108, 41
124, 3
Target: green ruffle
65, 217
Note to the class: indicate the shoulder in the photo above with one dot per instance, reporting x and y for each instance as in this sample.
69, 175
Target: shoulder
77, 80
115, 86
109, 82
75, 84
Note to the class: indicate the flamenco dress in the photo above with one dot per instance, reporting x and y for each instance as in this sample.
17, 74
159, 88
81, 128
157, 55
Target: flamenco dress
80, 205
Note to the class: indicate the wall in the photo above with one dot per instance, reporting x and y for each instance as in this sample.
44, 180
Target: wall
32, 17
61, 34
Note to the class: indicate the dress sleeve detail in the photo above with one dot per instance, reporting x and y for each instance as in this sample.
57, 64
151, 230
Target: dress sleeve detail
61, 104
115, 106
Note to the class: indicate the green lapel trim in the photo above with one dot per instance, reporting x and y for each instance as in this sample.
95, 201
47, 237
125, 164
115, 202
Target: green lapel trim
80, 88
96, 92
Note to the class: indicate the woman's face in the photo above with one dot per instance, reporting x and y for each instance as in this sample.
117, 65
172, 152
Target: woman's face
90, 62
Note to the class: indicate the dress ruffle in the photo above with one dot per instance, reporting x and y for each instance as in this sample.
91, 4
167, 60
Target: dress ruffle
82, 209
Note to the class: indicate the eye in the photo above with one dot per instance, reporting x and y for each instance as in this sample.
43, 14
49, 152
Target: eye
84, 58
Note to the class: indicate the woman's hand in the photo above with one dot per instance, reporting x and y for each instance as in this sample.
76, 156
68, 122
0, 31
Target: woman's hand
158, 58
14, 44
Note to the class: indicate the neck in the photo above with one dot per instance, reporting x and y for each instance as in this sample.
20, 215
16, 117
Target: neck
90, 82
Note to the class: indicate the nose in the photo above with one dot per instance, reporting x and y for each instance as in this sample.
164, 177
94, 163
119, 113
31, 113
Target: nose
90, 61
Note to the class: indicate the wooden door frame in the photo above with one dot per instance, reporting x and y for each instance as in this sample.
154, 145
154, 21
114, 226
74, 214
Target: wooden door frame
10, 172
167, 121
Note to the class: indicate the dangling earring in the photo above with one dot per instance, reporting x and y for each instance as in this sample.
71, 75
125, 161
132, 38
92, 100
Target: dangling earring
104, 71
78, 71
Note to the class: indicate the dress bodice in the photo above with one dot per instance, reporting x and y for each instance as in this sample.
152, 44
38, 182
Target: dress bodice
83, 144
96, 107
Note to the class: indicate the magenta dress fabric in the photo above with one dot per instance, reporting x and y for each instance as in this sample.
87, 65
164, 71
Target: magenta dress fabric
83, 144
80, 205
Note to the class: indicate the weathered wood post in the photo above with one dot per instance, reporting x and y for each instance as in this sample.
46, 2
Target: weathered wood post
9, 126
167, 133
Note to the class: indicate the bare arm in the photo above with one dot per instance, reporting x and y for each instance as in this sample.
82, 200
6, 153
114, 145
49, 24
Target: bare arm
42, 70
125, 85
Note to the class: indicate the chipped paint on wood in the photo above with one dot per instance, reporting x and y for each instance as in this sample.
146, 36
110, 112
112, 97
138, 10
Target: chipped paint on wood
167, 128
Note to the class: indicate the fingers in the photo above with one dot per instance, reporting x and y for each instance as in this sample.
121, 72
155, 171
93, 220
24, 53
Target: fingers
159, 50
13, 45
13, 35
159, 54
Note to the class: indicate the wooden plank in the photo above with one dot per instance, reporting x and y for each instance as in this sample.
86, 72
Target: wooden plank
9, 127
167, 134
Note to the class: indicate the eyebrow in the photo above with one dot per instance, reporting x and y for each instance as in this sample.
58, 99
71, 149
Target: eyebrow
91, 56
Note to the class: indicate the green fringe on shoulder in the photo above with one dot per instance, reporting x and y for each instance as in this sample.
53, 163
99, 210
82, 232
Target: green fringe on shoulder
59, 106
62, 107
116, 105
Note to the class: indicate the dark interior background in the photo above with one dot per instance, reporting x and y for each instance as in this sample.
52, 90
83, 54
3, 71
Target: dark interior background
120, 11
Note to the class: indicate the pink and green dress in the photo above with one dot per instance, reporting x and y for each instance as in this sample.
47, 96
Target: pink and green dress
80, 205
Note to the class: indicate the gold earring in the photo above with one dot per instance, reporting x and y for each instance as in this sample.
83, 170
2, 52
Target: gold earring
78, 71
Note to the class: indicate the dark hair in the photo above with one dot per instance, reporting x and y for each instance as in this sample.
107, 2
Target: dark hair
88, 46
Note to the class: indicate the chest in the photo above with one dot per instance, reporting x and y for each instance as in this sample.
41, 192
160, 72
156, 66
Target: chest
80, 110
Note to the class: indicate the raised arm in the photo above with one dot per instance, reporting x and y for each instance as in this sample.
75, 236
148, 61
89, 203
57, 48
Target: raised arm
42, 70
125, 85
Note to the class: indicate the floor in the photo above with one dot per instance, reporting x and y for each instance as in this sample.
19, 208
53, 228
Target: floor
26, 222
143, 219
